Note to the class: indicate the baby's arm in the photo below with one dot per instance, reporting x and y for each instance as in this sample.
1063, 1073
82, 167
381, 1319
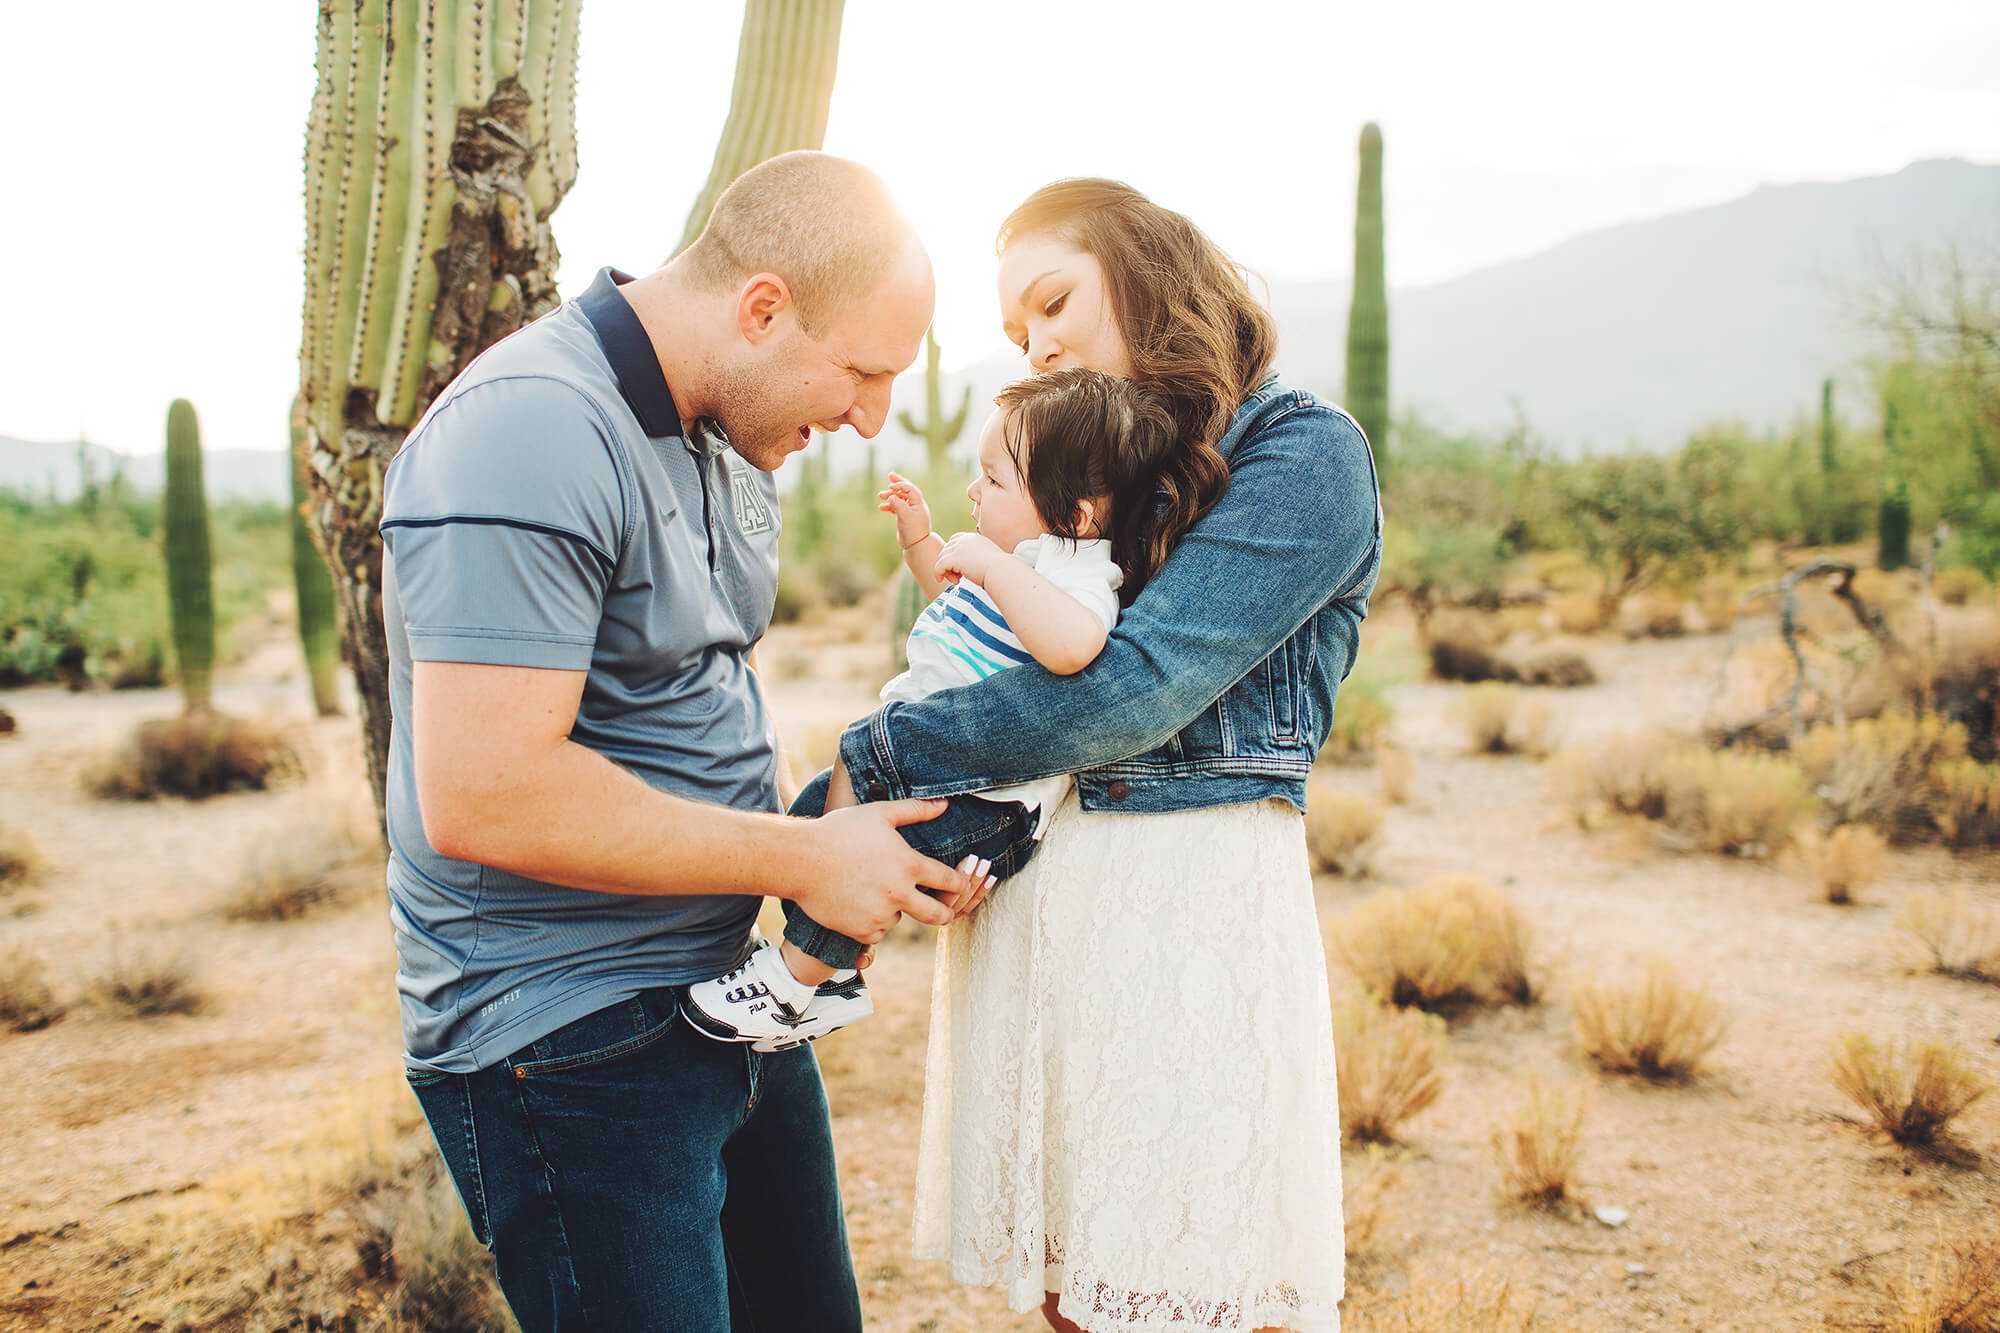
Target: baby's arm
1063, 634
920, 544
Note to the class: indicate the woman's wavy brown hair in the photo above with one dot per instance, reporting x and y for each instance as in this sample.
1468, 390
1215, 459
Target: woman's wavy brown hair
1193, 331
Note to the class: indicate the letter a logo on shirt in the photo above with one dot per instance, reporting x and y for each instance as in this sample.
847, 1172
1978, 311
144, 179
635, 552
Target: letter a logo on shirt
752, 514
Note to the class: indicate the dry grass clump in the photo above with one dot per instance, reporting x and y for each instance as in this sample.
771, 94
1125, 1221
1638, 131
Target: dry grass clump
1575, 613
444, 1276
1878, 770
19, 861
198, 754
1959, 584
1396, 769
1661, 1028
304, 862
1489, 1301
149, 981
1500, 719
1959, 1292
1538, 1148
1622, 774
1448, 945
1652, 615
1966, 803
1463, 646
1389, 1066
27, 1004
1911, 1094
1561, 668
1341, 829
1733, 803
1843, 860
1961, 937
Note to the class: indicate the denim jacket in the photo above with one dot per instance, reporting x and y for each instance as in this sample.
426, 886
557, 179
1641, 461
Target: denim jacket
1218, 683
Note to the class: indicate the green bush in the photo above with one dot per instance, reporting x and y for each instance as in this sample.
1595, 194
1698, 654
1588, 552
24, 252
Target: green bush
81, 593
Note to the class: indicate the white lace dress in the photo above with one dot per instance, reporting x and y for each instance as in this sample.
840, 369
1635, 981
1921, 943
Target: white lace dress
1129, 1097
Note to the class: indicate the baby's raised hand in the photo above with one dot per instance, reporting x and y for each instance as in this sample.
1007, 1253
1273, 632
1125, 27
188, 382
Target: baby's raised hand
906, 502
967, 555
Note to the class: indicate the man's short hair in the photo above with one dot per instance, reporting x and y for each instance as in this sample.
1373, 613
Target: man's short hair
826, 225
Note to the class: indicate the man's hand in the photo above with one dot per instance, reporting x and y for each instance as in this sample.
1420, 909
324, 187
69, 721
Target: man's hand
967, 556
871, 876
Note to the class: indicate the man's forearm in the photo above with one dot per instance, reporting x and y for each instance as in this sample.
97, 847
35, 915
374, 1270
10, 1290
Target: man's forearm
573, 817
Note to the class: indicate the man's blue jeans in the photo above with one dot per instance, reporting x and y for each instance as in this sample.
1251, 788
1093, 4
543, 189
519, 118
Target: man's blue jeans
629, 1173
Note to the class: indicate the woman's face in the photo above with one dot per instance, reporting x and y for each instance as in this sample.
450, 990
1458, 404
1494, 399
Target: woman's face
1055, 307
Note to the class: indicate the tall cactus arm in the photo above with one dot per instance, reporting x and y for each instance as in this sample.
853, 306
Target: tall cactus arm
785, 64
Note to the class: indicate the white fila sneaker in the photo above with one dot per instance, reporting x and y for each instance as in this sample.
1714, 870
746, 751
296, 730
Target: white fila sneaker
762, 1003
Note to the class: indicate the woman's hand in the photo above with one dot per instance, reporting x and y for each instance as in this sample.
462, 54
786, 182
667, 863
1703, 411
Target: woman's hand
907, 503
967, 556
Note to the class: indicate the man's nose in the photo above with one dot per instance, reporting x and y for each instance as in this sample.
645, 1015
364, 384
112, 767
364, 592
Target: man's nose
867, 416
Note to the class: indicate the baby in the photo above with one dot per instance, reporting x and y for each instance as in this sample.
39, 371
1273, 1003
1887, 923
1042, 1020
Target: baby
1062, 507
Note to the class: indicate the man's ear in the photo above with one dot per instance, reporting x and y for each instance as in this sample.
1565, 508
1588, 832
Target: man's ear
763, 305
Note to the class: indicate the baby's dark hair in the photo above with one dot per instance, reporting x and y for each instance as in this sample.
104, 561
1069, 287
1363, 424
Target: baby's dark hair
1077, 435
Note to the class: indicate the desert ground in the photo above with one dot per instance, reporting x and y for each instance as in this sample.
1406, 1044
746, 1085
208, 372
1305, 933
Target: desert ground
231, 1167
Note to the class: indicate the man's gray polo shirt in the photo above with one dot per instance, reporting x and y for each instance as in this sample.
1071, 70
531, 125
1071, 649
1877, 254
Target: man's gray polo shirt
549, 511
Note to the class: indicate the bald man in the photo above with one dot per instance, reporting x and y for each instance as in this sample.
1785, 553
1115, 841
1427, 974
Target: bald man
582, 554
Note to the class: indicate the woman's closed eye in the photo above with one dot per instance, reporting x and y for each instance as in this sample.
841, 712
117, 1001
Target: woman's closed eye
1054, 307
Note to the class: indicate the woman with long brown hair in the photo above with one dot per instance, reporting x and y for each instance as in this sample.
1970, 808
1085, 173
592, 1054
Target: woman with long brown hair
1130, 1111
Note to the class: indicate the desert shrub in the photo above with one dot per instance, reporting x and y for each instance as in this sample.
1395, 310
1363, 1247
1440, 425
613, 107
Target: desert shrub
1361, 717
1445, 946
1575, 613
1486, 1300
1962, 938
1733, 803
1389, 1066
1341, 827
81, 597
1957, 1292
19, 861
444, 1277
1364, 1202
1538, 1147
1842, 861
1966, 803
1626, 774
1396, 769
291, 872
26, 1001
148, 981
1660, 1028
1911, 1094
1958, 584
1500, 719
1641, 518
1652, 615
198, 754
1562, 668
1463, 646
1878, 770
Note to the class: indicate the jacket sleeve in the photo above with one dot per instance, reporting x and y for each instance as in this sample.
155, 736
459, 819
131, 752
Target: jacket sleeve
1297, 528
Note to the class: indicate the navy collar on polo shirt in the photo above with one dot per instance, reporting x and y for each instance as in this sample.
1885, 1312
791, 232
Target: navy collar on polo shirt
640, 379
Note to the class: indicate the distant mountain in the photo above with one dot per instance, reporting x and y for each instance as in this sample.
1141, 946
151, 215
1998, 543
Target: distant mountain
1635, 334
41, 469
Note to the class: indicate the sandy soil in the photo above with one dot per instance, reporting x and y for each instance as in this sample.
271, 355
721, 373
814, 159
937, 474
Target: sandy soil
131, 1148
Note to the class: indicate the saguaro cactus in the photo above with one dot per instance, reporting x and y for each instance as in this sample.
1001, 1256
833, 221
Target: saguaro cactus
1892, 514
190, 575
441, 137
1368, 313
785, 61
937, 431
319, 629
1828, 438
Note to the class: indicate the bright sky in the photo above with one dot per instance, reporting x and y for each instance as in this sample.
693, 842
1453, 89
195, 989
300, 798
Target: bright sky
153, 229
